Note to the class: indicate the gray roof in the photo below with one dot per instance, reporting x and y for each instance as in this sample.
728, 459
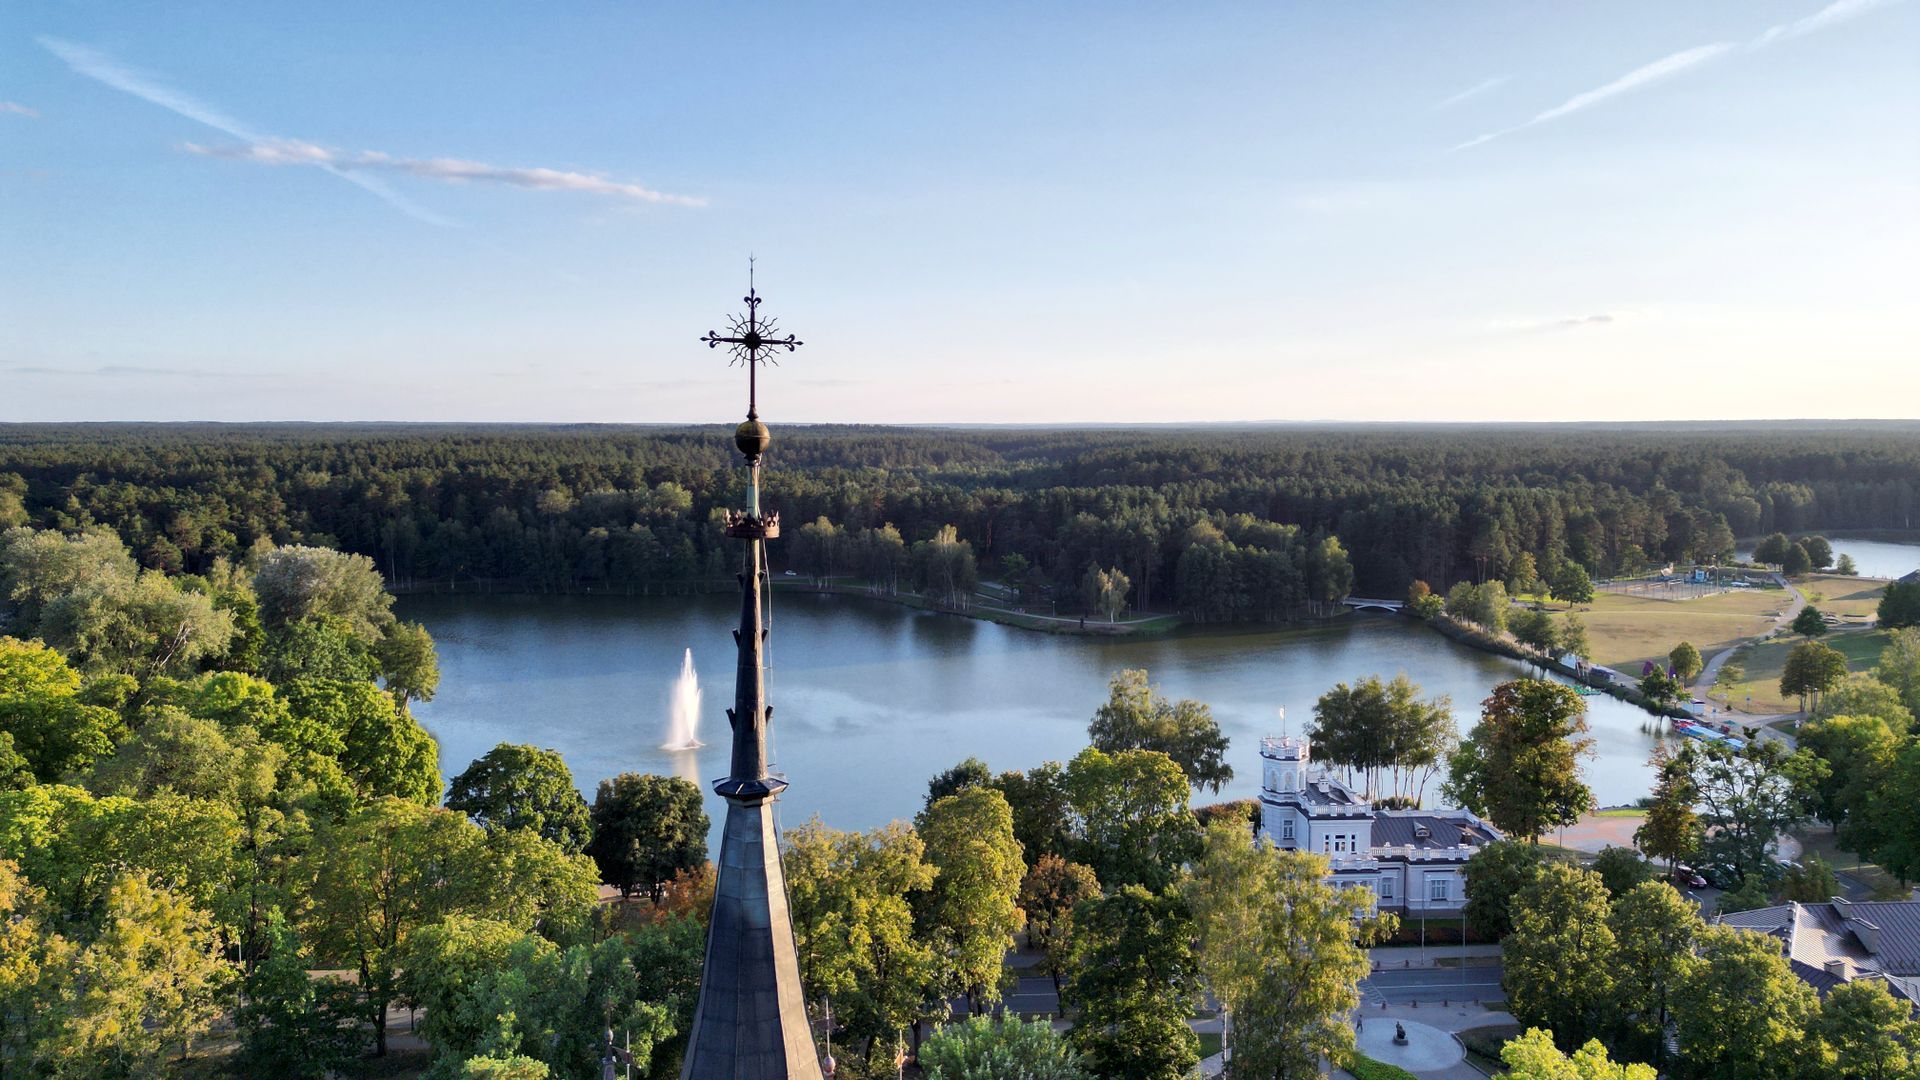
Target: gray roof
1396, 829
1880, 938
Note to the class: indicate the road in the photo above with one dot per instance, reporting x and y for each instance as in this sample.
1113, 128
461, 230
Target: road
1433, 985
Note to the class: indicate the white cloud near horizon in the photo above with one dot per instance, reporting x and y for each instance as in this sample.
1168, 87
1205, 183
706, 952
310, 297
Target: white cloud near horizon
1469, 93
261, 148
1834, 14
18, 109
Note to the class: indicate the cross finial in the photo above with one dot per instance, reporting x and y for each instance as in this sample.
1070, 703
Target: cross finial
753, 341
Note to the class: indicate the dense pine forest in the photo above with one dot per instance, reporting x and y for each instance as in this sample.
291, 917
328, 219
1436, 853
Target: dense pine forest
1219, 523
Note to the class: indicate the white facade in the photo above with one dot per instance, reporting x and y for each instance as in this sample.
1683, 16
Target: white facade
1412, 859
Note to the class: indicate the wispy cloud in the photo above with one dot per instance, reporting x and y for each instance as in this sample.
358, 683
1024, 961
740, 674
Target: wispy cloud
265, 149
1840, 11
1664, 68
453, 170
18, 109
1549, 326
1469, 93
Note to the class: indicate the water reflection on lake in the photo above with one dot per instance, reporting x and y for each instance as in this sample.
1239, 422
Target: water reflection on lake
871, 699
1872, 558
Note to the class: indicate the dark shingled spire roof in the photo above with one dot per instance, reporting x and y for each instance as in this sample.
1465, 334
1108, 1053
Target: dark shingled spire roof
751, 1023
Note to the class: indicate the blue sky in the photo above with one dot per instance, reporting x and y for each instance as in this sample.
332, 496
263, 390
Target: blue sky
980, 212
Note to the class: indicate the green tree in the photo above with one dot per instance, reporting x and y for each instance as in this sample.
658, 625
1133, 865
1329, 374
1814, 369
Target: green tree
1483, 604
1561, 956
646, 829
54, 730
1135, 984
1571, 584
383, 751
1846, 567
1495, 875
1888, 831
407, 662
1749, 797
1899, 666
1519, 767
1753, 1025
1533, 1056
1535, 629
295, 583
1621, 869
1819, 551
1865, 695
1131, 811
1685, 660
1280, 948
1662, 689
1573, 636
1751, 894
1809, 623
1811, 882
1052, 890
1866, 1032
441, 964
291, 1024
1137, 717
971, 773
972, 912
1383, 727
146, 986
1654, 929
851, 897
984, 1048
37, 568
1042, 815
514, 786
142, 626
319, 647
1329, 571
1797, 562
1899, 606
1812, 669
1857, 751
1773, 549
177, 752
1523, 576
1671, 829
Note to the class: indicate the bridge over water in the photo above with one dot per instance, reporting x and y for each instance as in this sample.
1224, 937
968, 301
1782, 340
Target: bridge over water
1361, 603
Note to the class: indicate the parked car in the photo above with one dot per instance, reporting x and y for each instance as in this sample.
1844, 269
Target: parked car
792, 574
1686, 876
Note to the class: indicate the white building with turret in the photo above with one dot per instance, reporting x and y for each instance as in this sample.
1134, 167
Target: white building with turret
1413, 860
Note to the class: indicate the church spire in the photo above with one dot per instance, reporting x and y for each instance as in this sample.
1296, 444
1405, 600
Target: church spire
751, 1023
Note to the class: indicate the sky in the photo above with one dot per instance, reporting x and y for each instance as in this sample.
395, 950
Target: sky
985, 212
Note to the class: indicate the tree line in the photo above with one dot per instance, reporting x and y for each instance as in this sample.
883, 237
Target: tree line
1223, 524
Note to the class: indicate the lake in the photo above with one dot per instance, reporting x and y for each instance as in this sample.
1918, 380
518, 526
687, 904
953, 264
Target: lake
1873, 558
871, 699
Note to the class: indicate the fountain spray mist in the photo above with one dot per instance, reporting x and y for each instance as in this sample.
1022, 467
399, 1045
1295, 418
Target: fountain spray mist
683, 709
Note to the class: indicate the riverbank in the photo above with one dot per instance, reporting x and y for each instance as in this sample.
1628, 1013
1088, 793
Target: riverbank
1480, 638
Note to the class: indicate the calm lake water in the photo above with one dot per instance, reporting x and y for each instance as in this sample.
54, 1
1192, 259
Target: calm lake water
870, 699
1873, 558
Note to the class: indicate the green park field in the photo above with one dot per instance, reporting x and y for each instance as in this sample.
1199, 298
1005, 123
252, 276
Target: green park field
1762, 662
1625, 630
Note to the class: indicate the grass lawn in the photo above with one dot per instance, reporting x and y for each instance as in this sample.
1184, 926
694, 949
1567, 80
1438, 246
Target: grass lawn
1762, 663
1209, 1043
1626, 630
1627, 812
1850, 597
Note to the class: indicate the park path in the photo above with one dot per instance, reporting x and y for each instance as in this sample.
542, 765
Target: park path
1712, 670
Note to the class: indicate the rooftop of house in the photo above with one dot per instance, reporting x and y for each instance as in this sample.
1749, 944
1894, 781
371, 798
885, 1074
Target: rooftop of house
1427, 830
1841, 940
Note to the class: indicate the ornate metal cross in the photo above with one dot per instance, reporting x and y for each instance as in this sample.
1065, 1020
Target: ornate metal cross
753, 340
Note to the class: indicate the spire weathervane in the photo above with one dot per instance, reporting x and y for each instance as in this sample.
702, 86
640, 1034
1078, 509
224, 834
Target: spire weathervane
751, 1022
752, 341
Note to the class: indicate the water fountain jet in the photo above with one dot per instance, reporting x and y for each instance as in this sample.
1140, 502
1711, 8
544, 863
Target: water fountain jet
683, 709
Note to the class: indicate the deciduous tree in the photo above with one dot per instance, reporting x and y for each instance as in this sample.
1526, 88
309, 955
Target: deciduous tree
297, 582
646, 829
1519, 767
1866, 1032
1753, 1025
1561, 956
1685, 660
1809, 623
513, 786
407, 662
1052, 890
1135, 983
1137, 717
972, 911
1812, 669
1280, 948
1130, 809
1654, 929
986, 1048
